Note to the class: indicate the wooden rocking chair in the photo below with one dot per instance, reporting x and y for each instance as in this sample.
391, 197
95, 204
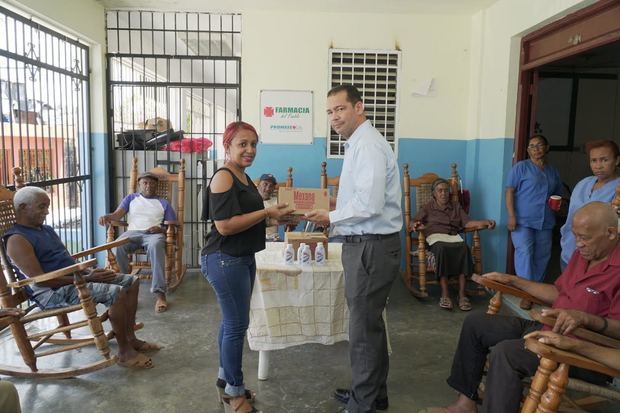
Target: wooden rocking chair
173, 267
551, 379
415, 248
558, 381
14, 294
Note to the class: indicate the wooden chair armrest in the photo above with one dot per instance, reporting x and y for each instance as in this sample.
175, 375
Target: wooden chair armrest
580, 332
175, 223
567, 357
118, 223
5, 320
476, 228
102, 247
80, 266
507, 289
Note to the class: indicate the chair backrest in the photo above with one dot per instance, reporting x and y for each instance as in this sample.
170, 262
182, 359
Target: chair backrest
287, 183
8, 296
616, 204
329, 182
422, 186
170, 186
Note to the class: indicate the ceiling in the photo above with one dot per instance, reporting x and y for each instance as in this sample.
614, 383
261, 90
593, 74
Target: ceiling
335, 6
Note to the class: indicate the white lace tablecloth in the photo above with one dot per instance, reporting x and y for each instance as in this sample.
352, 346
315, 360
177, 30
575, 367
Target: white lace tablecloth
293, 305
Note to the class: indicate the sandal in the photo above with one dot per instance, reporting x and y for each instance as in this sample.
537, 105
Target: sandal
220, 385
464, 304
238, 405
446, 303
138, 362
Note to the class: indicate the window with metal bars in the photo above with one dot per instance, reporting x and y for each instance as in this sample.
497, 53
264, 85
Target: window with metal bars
375, 73
181, 70
45, 125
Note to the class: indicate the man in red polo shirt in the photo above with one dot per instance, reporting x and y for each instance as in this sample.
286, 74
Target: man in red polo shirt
590, 286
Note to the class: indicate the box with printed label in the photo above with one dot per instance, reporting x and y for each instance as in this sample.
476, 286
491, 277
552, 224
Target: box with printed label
310, 238
304, 199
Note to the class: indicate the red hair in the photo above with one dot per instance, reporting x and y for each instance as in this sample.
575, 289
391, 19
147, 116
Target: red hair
232, 129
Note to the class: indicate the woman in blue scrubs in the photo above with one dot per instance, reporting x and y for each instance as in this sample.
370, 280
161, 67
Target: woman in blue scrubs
530, 220
601, 186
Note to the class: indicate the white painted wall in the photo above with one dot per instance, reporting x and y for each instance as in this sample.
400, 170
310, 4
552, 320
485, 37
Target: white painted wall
290, 51
503, 24
85, 20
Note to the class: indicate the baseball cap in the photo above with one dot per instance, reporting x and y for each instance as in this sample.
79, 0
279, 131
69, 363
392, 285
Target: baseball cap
268, 177
148, 174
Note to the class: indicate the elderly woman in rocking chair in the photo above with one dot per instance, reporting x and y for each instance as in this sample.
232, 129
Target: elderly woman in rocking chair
442, 220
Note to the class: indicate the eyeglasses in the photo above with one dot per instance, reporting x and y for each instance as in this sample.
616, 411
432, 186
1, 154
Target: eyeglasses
538, 146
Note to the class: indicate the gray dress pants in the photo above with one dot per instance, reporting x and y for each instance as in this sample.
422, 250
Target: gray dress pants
370, 267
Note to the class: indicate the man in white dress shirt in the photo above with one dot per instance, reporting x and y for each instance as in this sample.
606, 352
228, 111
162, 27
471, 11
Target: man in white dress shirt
368, 216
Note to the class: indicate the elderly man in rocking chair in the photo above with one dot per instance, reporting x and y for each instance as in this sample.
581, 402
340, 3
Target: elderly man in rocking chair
34, 248
146, 213
589, 289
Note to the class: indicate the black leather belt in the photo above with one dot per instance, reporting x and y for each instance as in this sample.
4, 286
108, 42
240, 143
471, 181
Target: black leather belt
368, 237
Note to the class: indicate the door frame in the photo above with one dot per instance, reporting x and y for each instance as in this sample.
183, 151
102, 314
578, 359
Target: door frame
576, 33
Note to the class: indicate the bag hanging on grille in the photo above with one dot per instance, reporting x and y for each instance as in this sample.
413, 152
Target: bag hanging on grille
134, 139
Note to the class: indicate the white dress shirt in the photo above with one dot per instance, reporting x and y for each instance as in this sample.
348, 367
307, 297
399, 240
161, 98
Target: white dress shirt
369, 194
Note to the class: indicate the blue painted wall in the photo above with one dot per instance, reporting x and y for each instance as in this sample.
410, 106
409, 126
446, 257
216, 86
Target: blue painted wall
482, 164
101, 166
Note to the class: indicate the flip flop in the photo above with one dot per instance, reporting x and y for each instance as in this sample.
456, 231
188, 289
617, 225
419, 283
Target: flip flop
464, 304
160, 305
446, 303
139, 362
146, 347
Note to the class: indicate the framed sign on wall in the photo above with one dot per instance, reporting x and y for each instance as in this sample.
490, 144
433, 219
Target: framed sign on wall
286, 116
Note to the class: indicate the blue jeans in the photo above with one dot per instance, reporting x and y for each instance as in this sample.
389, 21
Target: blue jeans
232, 278
532, 252
155, 246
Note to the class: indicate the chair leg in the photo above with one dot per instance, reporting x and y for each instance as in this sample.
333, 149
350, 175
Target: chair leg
495, 304
550, 400
24, 346
63, 320
539, 384
169, 254
94, 322
422, 264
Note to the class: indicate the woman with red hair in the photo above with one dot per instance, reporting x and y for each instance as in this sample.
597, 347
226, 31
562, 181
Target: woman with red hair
236, 209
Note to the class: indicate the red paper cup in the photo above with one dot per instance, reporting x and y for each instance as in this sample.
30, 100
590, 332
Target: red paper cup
555, 201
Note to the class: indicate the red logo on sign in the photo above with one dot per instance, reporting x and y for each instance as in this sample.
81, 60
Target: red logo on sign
268, 111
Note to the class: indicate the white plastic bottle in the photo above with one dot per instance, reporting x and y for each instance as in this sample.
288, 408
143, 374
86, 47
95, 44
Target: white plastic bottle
289, 254
319, 254
306, 255
300, 251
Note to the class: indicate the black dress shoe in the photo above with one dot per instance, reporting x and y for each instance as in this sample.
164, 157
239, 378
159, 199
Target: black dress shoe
343, 396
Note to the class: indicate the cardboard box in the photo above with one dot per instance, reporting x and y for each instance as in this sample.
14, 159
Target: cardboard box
304, 199
310, 238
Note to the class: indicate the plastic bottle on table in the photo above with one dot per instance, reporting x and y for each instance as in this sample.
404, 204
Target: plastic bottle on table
289, 254
306, 255
300, 251
319, 254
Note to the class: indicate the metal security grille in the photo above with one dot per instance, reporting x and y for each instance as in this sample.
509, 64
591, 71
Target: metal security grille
375, 74
172, 75
44, 102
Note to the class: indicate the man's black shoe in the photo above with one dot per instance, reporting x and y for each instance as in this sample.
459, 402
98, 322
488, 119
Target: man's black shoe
343, 395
